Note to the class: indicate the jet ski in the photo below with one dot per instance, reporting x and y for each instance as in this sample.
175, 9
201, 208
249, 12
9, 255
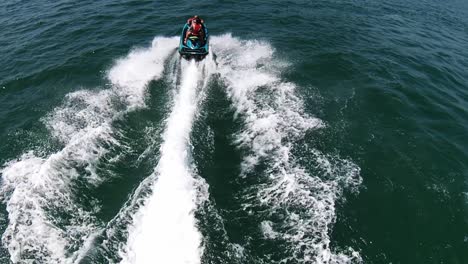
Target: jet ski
195, 47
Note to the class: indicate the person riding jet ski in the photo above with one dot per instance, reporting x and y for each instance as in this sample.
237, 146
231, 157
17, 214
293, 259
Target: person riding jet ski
194, 39
195, 29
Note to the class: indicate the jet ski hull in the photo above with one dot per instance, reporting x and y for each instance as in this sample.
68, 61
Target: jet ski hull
195, 48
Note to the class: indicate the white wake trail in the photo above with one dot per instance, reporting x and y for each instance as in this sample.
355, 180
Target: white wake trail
297, 207
164, 230
47, 224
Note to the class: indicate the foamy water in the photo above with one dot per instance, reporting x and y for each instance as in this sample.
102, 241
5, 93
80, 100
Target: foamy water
164, 230
273, 121
46, 221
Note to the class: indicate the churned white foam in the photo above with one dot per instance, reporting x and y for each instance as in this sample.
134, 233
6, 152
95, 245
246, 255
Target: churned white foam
300, 205
133, 72
81, 112
28, 224
164, 230
47, 222
267, 229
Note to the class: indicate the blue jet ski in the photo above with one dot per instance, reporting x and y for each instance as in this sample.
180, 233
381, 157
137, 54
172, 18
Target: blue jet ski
196, 47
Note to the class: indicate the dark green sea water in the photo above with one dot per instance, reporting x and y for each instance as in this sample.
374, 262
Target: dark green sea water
314, 132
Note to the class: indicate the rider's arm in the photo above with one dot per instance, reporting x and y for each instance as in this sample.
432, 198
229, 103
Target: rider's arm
187, 35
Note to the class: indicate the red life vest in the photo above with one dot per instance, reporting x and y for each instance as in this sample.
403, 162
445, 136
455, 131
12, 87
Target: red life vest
195, 30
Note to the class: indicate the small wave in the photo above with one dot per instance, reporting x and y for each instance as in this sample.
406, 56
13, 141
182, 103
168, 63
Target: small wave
47, 221
296, 207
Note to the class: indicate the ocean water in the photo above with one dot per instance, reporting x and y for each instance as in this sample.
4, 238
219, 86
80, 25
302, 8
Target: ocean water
314, 132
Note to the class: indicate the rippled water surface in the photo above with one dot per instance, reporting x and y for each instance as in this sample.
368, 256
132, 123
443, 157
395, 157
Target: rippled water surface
313, 132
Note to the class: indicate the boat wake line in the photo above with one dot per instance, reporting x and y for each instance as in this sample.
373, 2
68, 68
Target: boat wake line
165, 225
293, 204
49, 221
